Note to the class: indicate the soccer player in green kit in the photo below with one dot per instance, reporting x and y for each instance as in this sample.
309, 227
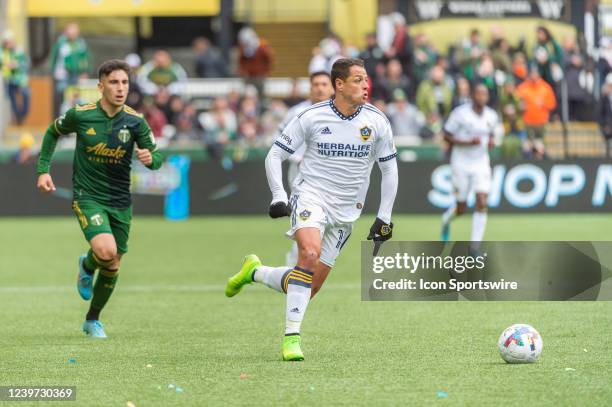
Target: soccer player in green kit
108, 133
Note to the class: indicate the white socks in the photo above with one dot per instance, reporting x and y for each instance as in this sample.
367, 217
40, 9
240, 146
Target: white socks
479, 222
299, 283
271, 276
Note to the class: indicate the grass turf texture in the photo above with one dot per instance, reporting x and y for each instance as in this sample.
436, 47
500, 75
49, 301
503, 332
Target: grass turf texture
169, 311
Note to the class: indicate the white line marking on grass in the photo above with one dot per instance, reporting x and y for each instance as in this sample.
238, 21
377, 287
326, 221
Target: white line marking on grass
148, 288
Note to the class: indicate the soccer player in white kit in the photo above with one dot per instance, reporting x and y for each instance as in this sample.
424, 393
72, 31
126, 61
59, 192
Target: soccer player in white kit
320, 89
469, 130
344, 136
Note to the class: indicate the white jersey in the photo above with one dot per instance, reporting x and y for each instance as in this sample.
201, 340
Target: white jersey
291, 114
340, 153
465, 124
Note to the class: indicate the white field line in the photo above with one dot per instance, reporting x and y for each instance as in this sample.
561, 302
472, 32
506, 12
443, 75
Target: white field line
148, 288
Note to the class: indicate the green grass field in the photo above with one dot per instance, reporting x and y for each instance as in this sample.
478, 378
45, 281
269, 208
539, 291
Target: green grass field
169, 312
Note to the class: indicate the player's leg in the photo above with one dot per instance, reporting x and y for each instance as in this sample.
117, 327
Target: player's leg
298, 285
482, 185
305, 213
461, 187
108, 249
93, 220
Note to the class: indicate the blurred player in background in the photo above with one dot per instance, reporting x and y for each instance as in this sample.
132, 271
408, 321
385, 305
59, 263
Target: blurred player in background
469, 131
344, 136
108, 132
320, 89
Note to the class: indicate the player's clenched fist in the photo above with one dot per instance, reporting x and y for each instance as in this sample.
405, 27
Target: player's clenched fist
381, 231
279, 209
144, 156
45, 183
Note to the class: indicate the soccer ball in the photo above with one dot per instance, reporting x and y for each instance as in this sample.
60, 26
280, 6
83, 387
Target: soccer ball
520, 343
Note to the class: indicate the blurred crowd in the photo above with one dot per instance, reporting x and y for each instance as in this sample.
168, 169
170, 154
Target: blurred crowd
415, 84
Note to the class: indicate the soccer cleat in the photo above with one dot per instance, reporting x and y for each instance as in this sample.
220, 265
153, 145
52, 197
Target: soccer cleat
445, 235
244, 276
94, 329
84, 281
291, 348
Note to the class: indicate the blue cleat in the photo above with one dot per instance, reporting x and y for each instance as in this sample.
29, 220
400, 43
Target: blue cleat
94, 329
84, 281
445, 235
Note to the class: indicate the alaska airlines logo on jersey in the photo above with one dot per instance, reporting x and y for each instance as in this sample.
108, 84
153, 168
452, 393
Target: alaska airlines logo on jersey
101, 149
343, 150
305, 214
326, 130
124, 135
365, 132
91, 131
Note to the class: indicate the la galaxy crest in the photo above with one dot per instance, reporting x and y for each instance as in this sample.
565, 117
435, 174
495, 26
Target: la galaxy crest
124, 135
305, 214
365, 132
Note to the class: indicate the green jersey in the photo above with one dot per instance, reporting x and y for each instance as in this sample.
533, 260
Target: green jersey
103, 153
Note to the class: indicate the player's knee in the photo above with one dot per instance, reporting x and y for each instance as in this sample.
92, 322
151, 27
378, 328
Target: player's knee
309, 255
106, 255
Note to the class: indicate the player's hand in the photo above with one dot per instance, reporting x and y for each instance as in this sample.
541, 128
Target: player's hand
144, 156
45, 183
279, 209
380, 231
475, 141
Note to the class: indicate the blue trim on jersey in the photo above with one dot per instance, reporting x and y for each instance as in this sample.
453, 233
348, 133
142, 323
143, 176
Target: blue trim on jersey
284, 147
340, 115
387, 158
320, 104
375, 110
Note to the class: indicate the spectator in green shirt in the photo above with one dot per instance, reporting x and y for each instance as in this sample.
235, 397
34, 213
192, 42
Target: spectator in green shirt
70, 61
160, 72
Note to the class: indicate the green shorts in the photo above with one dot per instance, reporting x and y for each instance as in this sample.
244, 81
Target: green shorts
95, 218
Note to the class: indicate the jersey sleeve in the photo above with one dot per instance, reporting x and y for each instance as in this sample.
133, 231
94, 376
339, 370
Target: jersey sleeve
292, 136
63, 125
66, 123
145, 139
385, 147
453, 124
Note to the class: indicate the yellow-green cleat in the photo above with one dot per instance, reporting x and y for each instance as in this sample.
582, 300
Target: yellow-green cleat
291, 348
243, 277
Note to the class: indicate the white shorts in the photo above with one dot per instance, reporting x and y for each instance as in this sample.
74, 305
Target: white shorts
466, 179
309, 212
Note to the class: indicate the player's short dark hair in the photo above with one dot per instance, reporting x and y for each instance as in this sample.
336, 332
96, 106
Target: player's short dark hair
113, 65
476, 86
341, 68
319, 73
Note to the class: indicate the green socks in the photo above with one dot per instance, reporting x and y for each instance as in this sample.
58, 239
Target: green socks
102, 290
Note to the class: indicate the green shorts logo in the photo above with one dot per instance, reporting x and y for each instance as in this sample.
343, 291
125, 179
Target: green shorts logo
124, 135
96, 219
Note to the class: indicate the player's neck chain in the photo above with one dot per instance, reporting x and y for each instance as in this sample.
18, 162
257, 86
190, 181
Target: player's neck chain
340, 115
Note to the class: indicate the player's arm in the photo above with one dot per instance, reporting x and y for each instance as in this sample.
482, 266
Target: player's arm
61, 126
382, 228
284, 146
146, 149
